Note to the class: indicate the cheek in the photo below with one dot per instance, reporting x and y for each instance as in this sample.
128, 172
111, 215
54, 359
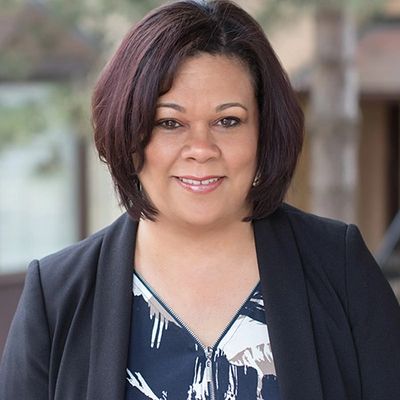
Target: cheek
159, 156
244, 156
149, 166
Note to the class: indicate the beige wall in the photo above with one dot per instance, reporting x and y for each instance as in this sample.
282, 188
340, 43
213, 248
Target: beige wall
373, 172
299, 191
372, 215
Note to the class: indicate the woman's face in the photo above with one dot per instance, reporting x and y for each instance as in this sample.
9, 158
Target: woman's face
201, 159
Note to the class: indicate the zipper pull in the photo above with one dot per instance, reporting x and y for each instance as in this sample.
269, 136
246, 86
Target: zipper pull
209, 354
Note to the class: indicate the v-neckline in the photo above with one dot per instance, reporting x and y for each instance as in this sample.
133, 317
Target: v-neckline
185, 326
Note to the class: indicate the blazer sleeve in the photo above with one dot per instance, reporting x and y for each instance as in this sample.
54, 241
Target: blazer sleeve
374, 315
25, 362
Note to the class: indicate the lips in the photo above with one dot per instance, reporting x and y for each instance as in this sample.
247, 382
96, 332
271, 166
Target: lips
199, 181
203, 184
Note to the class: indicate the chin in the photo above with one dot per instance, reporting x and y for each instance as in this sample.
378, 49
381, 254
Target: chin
206, 218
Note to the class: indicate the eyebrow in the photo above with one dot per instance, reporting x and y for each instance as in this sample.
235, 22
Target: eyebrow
219, 108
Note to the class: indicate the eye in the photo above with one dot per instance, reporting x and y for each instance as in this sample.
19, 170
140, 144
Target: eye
229, 122
168, 124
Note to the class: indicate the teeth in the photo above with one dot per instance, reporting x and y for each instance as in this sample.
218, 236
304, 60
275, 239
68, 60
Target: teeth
196, 182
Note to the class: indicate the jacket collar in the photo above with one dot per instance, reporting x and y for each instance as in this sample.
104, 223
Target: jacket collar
285, 298
287, 310
112, 312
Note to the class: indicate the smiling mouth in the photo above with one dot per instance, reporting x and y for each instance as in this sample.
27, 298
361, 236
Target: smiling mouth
202, 185
199, 182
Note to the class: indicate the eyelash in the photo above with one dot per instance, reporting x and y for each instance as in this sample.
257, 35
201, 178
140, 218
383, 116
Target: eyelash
236, 121
162, 123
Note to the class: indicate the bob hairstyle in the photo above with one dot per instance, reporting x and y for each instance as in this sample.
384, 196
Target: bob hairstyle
143, 68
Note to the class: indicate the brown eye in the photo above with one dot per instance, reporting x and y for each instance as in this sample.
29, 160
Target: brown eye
229, 122
168, 124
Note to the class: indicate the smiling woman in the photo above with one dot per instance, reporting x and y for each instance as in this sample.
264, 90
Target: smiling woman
137, 79
205, 142
209, 286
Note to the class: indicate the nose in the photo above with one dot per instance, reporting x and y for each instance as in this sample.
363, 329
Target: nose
200, 145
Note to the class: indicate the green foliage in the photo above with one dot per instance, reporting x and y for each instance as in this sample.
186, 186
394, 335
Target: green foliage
278, 11
6, 5
21, 122
90, 15
14, 63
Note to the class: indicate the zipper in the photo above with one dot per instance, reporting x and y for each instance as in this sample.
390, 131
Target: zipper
209, 374
208, 350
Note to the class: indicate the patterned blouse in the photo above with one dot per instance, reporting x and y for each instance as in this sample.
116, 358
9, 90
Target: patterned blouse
168, 362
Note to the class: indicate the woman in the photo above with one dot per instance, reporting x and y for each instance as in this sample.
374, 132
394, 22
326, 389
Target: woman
236, 295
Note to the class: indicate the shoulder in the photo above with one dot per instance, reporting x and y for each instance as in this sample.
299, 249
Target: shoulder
75, 253
77, 260
320, 241
68, 279
328, 250
76, 265
318, 234
325, 234
334, 256
314, 223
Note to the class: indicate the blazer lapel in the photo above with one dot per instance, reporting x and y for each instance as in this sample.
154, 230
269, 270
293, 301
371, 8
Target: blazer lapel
112, 312
287, 311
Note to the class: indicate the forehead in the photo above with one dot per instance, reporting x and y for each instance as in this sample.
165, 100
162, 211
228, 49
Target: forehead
213, 76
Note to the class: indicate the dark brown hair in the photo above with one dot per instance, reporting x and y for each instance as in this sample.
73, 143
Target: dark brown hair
143, 68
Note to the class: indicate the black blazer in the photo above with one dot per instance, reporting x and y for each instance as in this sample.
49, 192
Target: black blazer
333, 320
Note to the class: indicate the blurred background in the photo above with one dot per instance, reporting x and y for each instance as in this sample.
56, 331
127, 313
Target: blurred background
343, 58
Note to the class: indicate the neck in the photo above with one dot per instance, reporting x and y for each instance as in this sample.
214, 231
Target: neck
160, 243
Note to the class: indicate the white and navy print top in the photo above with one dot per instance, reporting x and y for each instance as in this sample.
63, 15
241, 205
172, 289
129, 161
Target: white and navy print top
167, 361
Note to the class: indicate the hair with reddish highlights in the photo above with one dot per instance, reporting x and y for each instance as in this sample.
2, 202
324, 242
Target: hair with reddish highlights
143, 68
